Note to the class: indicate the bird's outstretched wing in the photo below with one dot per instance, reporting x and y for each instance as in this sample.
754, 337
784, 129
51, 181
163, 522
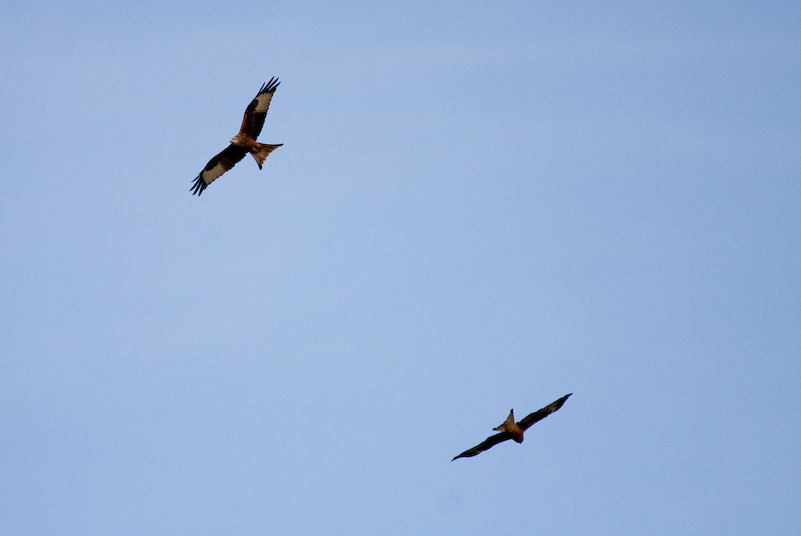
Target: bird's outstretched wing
257, 110
488, 443
218, 165
526, 422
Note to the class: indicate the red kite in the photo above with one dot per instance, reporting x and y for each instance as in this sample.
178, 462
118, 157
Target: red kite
244, 142
511, 430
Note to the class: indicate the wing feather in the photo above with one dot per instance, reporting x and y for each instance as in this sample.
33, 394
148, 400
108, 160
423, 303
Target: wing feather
540, 414
487, 444
219, 164
256, 111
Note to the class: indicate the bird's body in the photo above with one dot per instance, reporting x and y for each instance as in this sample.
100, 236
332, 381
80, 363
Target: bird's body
244, 142
510, 429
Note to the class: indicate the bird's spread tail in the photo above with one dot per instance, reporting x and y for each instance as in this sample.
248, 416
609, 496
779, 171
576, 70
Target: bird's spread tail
508, 424
263, 150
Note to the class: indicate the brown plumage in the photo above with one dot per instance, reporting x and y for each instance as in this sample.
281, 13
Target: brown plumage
510, 429
244, 142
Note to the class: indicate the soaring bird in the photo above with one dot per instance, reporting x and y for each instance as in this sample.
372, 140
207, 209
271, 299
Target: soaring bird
509, 429
244, 142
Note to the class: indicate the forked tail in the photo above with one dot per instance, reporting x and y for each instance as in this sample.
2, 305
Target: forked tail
509, 424
260, 155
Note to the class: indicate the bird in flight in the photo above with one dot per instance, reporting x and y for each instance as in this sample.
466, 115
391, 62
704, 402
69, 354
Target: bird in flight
244, 142
509, 429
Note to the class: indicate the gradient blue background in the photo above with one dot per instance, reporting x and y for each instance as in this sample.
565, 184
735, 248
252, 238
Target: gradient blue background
478, 206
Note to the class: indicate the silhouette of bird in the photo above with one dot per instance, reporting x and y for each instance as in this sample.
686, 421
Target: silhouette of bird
244, 142
509, 429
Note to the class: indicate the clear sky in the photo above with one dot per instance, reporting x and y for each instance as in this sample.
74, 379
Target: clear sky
478, 206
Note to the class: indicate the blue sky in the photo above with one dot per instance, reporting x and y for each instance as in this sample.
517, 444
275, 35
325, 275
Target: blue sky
477, 207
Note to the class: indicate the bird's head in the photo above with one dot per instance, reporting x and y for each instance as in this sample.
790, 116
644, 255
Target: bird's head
235, 140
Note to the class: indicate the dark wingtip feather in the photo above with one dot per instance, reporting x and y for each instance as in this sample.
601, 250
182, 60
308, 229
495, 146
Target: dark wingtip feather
198, 186
270, 86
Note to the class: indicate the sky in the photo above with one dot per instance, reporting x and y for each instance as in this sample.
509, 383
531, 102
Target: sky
478, 206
